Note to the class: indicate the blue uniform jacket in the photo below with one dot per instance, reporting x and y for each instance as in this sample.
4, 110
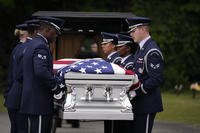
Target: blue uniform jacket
148, 65
128, 62
12, 93
114, 58
38, 78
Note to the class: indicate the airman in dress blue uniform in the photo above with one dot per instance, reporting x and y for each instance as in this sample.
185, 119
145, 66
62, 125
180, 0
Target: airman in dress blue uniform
126, 49
39, 83
14, 89
148, 65
109, 48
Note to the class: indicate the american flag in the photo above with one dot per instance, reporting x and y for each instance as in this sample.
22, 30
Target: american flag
91, 66
96, 66
87, 66
59, 68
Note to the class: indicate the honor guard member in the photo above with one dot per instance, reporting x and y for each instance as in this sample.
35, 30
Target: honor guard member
13, 91
126, 49
39, 83
109, 47
148, 65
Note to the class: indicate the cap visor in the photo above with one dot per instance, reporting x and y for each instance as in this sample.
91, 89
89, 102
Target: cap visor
104, 42
122, 44
132, 29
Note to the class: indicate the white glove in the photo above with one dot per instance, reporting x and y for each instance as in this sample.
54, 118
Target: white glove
131, 94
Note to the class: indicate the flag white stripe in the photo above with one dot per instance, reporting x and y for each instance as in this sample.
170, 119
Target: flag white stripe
117, 69
58, 66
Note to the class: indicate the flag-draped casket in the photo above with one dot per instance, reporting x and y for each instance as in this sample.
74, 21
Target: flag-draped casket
96, 89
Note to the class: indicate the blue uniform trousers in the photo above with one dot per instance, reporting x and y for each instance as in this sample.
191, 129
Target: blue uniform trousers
122, 126
142, 123
108, 126
19, 121
40, 123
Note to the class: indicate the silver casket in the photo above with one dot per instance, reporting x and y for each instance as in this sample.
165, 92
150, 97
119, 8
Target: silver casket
97, 97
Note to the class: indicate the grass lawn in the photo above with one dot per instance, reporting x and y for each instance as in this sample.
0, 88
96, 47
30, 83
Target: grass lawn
182, 108
2, 108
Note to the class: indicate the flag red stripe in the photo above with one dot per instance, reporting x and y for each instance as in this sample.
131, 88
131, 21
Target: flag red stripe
63, 62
